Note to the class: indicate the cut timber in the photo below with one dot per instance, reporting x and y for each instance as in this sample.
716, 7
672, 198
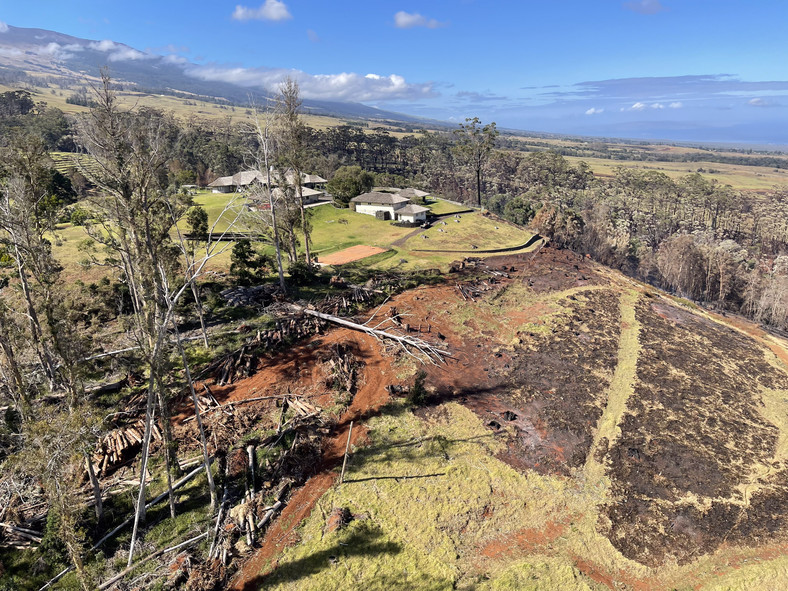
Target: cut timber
423, 350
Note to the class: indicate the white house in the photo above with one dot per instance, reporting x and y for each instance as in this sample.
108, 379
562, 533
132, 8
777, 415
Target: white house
389, 206
242, 181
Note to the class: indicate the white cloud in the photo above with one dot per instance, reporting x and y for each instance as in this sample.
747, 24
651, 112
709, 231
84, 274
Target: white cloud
594, 111
10, 51
105, 45
760, 102
313, 37
58, 51
347, 86
638, 106
118, 52
676, 105
645, 6
270, 10
3, 27
174, 59
406, 20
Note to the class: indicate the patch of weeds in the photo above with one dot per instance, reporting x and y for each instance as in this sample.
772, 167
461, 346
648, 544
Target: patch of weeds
417, 395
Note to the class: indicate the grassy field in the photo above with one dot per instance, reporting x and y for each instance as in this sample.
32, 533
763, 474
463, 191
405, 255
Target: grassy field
467, 231
333, 229
738, 176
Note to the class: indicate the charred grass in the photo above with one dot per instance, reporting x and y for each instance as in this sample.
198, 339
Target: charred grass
698, 462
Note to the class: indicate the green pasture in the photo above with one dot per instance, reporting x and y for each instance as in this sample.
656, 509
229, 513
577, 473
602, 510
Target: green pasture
738, 176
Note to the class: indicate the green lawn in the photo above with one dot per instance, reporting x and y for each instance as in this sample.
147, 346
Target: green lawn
469, 229
335, 229
441, 206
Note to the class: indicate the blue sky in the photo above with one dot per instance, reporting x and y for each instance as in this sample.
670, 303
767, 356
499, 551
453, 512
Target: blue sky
676, 69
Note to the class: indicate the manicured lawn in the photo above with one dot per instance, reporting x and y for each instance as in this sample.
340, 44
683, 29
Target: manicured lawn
441, 206
467, 230
334, 229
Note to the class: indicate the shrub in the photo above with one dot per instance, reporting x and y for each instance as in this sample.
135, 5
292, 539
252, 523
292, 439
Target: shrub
417, 395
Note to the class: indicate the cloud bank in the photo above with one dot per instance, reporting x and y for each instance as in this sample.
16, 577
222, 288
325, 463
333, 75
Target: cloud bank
347, 86
118, 52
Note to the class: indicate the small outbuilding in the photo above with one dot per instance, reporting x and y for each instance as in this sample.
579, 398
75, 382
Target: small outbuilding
389, 206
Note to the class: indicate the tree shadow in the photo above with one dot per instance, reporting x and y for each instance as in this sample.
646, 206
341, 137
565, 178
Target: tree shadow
364, 542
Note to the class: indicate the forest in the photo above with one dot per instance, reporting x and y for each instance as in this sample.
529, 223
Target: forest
149, 285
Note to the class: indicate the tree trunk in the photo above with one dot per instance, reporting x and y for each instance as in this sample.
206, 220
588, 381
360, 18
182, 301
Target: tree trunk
96, 490
35, 325
479, 187
198, 303
198, 415
170, 456
304, 227
139, 514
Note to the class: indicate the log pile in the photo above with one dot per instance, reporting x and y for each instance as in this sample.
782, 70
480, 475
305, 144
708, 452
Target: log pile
242, 362
472, 290
111, 449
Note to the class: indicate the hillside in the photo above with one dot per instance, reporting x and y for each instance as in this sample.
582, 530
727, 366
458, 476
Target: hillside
578, 437
55, 60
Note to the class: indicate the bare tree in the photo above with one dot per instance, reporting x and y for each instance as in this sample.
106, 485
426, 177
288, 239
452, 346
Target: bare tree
263, 158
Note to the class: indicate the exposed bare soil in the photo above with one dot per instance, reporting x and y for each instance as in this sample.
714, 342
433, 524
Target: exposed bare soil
695, 463
348, 255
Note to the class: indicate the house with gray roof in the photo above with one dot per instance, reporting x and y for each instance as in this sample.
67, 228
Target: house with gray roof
389, 206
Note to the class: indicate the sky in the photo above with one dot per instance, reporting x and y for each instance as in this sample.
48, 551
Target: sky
696, 70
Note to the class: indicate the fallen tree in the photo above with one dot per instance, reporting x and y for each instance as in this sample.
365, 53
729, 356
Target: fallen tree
413, 346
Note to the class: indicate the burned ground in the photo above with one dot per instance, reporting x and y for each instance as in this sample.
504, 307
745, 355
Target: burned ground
694, 442
644, 436
557, 386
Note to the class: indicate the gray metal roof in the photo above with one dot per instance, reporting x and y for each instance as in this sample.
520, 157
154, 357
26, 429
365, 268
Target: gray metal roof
380, 198
412, 209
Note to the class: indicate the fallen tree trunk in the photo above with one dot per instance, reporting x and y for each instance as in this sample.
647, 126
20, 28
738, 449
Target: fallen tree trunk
156, 554
424, 350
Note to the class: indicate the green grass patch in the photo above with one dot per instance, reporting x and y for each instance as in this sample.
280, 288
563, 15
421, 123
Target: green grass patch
471, 229
442, 207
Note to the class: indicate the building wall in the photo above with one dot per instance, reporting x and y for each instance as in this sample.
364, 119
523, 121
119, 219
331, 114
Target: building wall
373, 209
414, 218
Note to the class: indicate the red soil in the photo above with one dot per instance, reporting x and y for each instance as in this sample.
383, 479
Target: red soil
368, 400
354, 253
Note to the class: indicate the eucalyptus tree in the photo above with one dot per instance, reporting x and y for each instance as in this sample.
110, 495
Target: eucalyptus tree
475, 143
292, 135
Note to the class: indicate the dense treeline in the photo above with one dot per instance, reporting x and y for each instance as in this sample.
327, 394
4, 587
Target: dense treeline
693, 236
639, 221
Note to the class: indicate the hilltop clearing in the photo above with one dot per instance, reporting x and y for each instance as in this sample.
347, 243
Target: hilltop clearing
586, 433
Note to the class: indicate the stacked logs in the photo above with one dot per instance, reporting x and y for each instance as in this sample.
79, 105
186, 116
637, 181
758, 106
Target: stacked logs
111, 449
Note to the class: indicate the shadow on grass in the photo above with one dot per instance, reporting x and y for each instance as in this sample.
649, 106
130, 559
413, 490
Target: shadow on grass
363, 542
397, 478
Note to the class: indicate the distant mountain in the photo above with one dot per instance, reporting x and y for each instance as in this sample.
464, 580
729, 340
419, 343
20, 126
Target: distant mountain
71, 59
